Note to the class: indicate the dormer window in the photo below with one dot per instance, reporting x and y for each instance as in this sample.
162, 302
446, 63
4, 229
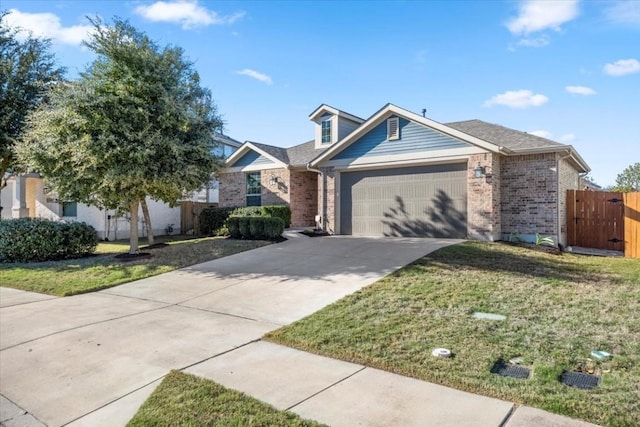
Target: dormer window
393, 128
326, 131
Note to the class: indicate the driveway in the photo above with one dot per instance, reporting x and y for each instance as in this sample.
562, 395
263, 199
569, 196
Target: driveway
94, 358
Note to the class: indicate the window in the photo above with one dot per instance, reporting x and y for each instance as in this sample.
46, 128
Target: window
393, 128
69, 209
254, 189
326, 131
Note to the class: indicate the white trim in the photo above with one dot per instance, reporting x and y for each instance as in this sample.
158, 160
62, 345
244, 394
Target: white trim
252, 168
417, 162
573, 154
324, 108
391, 109
408, 158
246, 147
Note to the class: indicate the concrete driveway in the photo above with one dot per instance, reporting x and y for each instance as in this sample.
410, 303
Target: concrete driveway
93, 359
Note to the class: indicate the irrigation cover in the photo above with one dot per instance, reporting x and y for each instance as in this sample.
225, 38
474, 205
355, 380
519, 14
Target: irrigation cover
580, 380
511, 371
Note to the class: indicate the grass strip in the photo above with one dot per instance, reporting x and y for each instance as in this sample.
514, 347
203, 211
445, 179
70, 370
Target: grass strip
186, 400
70, 277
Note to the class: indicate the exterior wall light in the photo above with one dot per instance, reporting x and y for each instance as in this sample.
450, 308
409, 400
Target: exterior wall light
273, 180
481, 171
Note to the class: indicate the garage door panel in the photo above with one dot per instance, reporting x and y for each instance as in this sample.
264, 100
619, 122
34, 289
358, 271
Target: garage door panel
418, 201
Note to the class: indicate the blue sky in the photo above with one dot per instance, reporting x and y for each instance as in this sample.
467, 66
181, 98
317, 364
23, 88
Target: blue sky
566, 70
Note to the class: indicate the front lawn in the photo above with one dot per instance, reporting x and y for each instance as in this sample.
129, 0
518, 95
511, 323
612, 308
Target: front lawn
186, 400
101, 271
558, 309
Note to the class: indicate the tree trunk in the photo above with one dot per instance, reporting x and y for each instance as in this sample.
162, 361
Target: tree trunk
133, 228
147, 221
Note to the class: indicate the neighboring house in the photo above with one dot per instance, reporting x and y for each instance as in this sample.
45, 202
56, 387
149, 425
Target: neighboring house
29, 196
226, 146
398, 173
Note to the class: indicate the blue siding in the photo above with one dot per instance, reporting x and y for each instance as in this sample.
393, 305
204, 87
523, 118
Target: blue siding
414, 138
252, 158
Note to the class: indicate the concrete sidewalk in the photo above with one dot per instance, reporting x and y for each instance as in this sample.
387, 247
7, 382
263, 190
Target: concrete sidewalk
93, 359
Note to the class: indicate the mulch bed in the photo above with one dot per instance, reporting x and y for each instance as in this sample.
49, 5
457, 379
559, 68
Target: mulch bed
314, 233
132, 257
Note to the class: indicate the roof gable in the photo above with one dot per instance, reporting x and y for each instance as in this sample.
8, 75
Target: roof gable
255, 154
326, 110
414, 138
389, 110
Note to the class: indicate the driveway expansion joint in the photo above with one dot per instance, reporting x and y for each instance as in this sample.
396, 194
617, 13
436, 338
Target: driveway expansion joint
326, 388
507, 417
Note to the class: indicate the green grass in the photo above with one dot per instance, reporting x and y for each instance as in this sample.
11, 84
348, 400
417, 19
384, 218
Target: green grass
558, 309
186, 400
70, 277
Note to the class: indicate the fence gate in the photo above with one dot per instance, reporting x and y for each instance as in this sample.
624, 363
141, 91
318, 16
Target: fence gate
595, 219
190, 215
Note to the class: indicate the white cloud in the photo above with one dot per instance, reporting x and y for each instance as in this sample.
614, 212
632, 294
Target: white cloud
187, 13
622, 67
580, 90
539, 15
47, 25
624, 12
256, 75
542, 133
568, 137
517, 99
541, 41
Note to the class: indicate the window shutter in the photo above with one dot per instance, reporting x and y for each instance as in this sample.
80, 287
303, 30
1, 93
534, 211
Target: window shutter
393, 128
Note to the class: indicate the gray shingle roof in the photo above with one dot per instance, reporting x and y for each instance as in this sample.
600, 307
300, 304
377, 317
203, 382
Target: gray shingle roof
300, 155
277, 152
501, 136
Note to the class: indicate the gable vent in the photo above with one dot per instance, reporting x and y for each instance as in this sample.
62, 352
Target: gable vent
393, 128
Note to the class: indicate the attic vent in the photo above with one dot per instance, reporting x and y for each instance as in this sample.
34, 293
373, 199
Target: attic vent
393, 128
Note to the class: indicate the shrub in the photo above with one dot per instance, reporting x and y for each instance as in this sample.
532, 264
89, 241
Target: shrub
256, 227
248, 211
278, 211
28, 240
244, 227
273, 228
213, 219
233, 224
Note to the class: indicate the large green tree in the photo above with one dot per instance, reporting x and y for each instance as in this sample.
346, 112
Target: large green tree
136, 124
628, 180
27, 71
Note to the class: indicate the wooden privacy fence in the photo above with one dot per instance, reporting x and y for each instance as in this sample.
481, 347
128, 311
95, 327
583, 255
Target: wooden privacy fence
604, 220
190, 214
632, 225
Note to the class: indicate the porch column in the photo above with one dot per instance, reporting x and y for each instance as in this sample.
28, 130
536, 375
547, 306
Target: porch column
19, 205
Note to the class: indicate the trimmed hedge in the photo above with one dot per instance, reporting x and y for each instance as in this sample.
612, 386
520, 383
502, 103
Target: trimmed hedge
255, 227
276, 211
30, 240
212, 220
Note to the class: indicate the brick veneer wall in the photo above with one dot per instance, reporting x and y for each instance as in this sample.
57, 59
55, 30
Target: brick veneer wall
304, 198
328, 192
569, 180
529, 194
232, 189
278, 193
484, 198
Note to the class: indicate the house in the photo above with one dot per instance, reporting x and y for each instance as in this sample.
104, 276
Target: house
398, 173
28, 195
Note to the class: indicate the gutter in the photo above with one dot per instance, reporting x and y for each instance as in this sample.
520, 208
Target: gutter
323, 218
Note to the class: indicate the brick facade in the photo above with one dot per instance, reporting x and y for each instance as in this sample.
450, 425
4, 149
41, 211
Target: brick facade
483, 198
529, 194
297, 189
569, 180
327, 191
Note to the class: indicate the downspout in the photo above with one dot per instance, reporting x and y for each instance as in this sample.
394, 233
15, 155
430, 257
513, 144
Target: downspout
558, 219
324, 202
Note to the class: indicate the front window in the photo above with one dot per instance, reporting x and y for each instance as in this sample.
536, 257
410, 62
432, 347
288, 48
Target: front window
326, 131
254, 189
69, 209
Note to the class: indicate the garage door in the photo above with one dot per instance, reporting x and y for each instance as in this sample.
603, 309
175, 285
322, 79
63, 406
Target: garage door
425, 201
